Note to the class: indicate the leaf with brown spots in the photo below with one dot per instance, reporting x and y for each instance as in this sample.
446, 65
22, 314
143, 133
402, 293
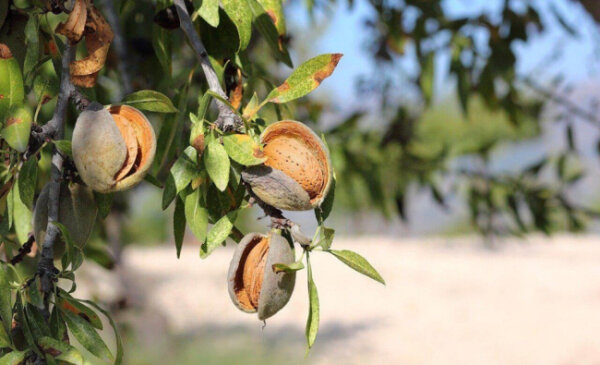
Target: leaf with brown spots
305, 78
274, 9
243, 149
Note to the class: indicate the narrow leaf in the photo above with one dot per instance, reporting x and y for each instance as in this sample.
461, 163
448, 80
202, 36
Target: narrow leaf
358, 263
13, 358
60, 350
217, 163
241, 15
209, 11
217, 234
21, 215
5, 299
28, 181
64, 147
196, 215
243, 150
294, 266
307, 77
119, 357
87, 336
150, 100
312, 322
179, 225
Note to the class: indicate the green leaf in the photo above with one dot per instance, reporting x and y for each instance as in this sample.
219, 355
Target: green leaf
65, 147
5, 299
427, 77
87, 335
74, 254
58, 327
119, 357
104, 203
266, 20
327, 235
67, 302
4, 338
241, 15
11, 85
60, 350
37, 322
223, 41
196, 215
13, 358
358, 263
32, 39
243, 149
185, 169
17, 129
150, 100
294, 266
179, 224
312, 322
28, 181
22, 319
153, 180
322, 212
209, 11
21, 215
275, 10
307, 77
161, 41
218, 234
46, 83
217, 163
169, 192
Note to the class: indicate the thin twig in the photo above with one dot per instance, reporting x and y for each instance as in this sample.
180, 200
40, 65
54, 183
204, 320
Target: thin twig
227, 119
46, 269
278, 220
23, 250
568, 104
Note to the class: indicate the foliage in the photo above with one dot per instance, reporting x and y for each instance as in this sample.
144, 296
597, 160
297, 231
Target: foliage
65, 57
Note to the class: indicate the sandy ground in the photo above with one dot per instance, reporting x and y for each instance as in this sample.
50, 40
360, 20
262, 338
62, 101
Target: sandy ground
447, 301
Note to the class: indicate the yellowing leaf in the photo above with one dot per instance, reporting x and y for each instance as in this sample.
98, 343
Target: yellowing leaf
305, 78
243, 150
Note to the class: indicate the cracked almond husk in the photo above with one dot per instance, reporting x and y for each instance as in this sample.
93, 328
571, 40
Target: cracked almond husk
254, 287
297, 173
113, 148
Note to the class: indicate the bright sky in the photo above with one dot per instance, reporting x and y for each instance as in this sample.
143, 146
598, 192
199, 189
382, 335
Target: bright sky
345, 33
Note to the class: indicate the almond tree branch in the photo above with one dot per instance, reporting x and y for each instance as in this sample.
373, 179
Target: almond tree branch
55, 128
227, 119
278, 220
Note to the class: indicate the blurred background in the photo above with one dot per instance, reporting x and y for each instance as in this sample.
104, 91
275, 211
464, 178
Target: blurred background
465, 139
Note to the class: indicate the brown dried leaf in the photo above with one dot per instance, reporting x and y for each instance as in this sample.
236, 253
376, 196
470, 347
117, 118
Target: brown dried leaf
74, 26
98, 36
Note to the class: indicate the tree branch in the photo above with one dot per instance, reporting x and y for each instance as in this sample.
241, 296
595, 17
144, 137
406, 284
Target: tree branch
55, 128
278, 220
227, 119
23, 251
568, 104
